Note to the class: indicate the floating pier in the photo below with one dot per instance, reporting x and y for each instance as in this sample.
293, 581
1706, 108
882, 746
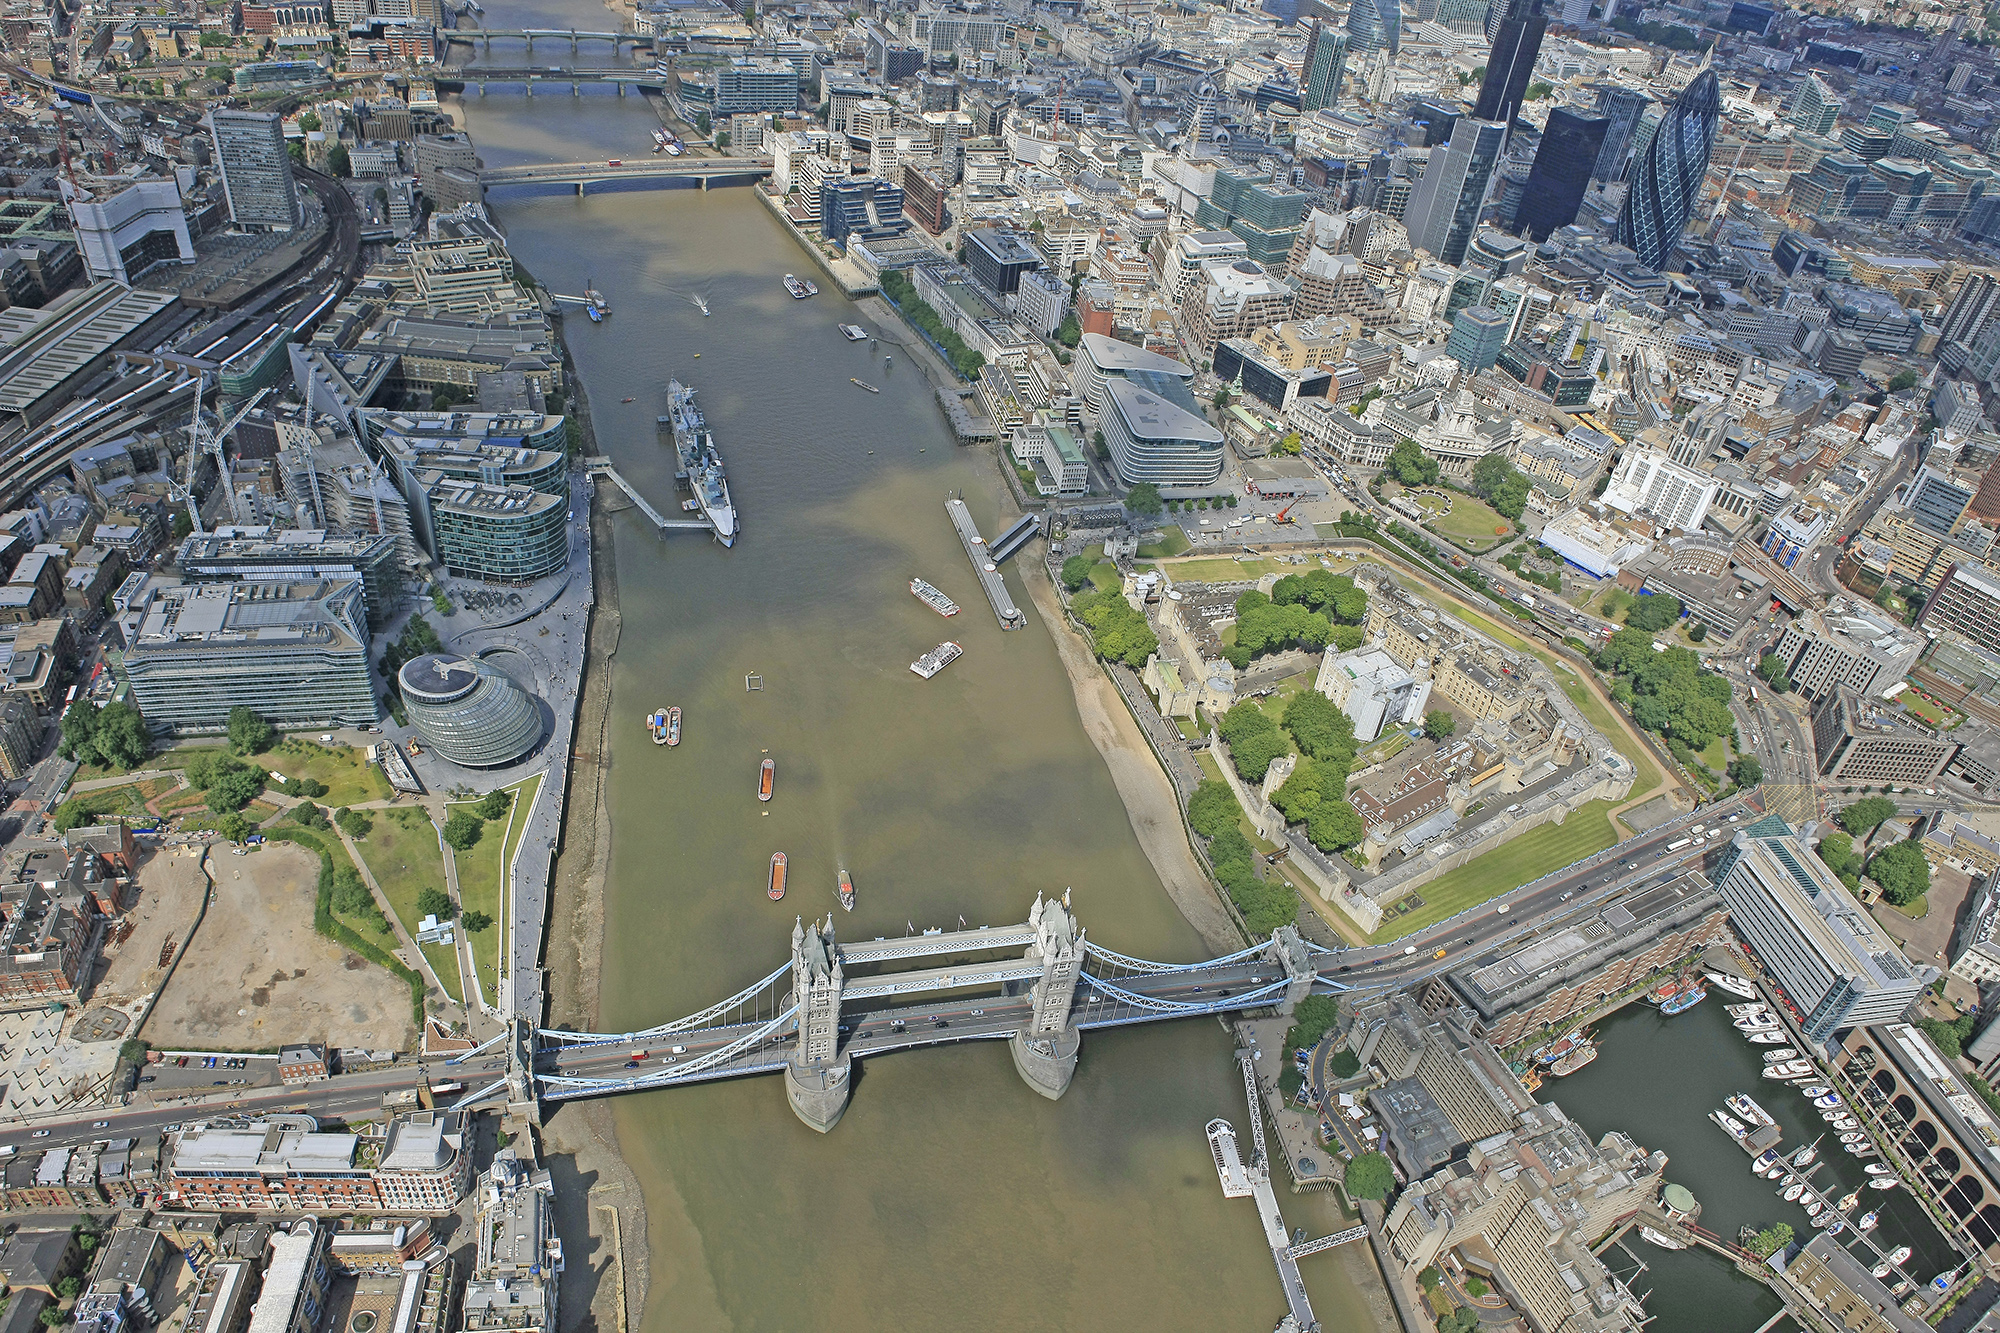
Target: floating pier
600, 466
984, 566
1025, 529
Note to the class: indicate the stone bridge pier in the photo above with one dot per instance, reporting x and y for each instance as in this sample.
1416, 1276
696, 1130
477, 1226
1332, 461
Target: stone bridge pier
817, 1076
1045, 1049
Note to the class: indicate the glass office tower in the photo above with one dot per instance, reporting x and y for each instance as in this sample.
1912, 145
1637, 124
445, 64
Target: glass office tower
1517, 41
1666, 180
1561, 173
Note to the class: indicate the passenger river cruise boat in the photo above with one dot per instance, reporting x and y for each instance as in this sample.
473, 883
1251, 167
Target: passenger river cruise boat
937, 659
932, 598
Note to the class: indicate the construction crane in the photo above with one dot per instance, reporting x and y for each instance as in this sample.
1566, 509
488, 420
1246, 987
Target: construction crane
1283, 515
203, 440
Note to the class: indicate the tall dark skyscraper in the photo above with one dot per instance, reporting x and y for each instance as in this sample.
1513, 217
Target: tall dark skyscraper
1445, 206
1666, 179
1517, 40
1325, 67
1561, 173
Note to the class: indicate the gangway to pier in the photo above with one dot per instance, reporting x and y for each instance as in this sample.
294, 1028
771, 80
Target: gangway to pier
598, 465
1026, 529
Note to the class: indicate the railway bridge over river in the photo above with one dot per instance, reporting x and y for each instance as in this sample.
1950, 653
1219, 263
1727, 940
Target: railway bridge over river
1037, 986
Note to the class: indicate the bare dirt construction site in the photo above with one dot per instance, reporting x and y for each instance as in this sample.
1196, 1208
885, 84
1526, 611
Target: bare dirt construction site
165, 901
256, 975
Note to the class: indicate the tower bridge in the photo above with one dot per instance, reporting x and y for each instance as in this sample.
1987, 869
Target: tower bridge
835, 1002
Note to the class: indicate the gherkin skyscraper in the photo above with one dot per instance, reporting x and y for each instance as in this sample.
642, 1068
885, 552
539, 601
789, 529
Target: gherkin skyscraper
1666, 179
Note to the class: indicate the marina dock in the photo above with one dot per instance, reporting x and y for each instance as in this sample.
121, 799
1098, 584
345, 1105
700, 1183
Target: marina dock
984, 566
599, 466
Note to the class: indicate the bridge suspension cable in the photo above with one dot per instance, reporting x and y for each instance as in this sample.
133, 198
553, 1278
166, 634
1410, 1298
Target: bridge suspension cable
679, 1073
1237, 1001
1130, 964
707, 1016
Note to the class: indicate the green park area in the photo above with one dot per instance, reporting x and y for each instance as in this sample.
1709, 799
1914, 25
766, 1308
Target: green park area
1936, 715
344, 769
1172, 542
1509, 866
365, 921
1472, 524
401, 850
482, 873
128, 800
1222, 570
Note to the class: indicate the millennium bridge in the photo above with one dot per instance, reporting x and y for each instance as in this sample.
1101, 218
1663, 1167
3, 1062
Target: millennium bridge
1038, 986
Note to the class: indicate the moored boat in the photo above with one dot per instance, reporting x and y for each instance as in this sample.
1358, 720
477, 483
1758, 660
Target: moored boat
1867, 1221
799, 287
1575, 1060
1734, 985
1730, 1123
854, 333
933, 598
1877, 1169
937, 659
674, 725
1767, 1037
862, 384
1683, 1001
1772, 1057
1661, 1239
1848, 1200
701, 468
656, 722
1804, 1157
1792, 1192
846, 889
777, 888
1745, 1010
767, 778
1743, 1105
1883, 1183
1789, 1069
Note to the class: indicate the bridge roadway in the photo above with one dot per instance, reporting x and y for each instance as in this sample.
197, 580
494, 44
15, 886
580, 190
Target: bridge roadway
485, 36
533, 74
1545, 905
608, 1068
643, 169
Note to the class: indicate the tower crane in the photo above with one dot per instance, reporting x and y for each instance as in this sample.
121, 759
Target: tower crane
203, 440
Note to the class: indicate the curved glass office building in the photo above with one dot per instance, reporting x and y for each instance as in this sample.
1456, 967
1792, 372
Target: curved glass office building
469, 711
1666, 180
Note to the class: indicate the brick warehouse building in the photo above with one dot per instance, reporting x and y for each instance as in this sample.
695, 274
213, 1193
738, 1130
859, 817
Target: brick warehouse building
1546, 981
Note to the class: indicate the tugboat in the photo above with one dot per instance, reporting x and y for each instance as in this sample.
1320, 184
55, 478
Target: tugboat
846, 890
777, 889
767, 777
596, 304
674, 725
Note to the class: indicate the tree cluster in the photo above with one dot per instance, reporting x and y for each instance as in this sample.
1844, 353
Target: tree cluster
1746, 770
1265, 906
1653, 613
1334, 596
352, 899
1264, 626
230, 783
1837, 850
113, 736
1668, 692
1076, 571
462, 829
1950, 1037
1254, 740
1770, 1240
1370, 1176
1439, 723
435, 902
249, 733
1118, 632
1144, 500
418, 637
1902, 871
1315, 795
1771, 670
1409, 464
903, 292
1500, 484
1866, 815
354, 823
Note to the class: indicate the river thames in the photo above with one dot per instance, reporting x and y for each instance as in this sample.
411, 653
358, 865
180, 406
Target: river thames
950, 1196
